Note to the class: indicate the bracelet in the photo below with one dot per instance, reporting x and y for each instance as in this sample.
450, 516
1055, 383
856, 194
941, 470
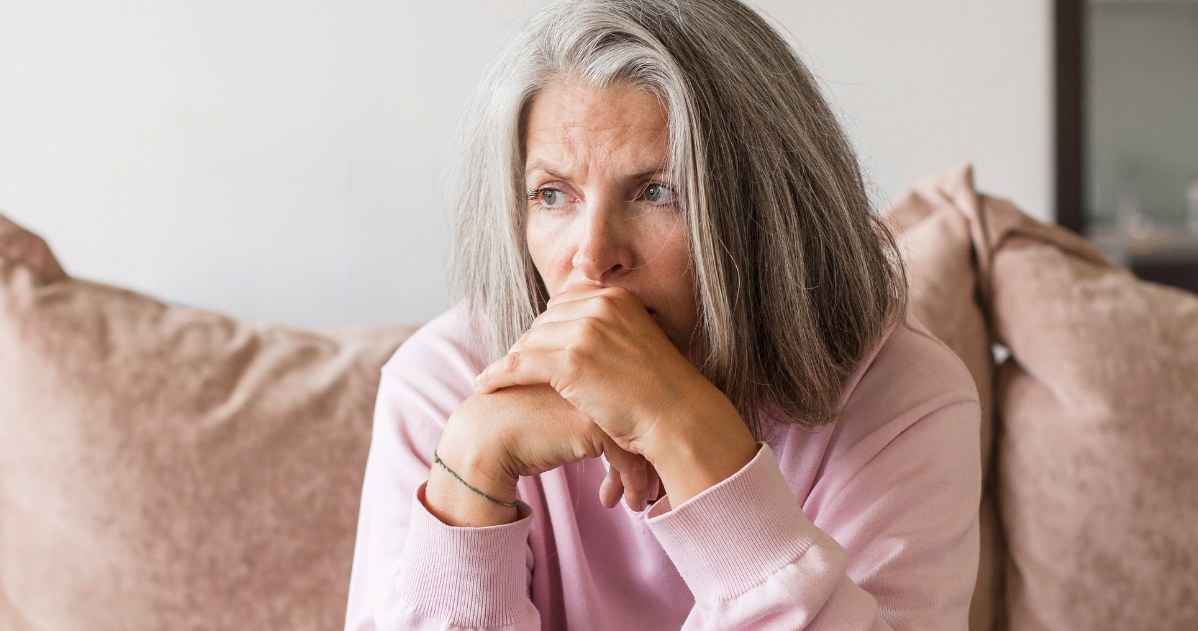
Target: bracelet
437, 460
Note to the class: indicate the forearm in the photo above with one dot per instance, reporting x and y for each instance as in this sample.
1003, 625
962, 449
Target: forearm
460, 578
749, 551
457, 501
753, 559
700, 447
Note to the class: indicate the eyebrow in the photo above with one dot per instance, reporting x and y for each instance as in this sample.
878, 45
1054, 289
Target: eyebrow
548, 169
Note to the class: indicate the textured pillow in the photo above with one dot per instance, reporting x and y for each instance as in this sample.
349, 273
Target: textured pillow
170, 468
932, 223
1098, 457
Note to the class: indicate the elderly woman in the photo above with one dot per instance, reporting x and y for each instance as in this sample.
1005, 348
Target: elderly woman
675, 293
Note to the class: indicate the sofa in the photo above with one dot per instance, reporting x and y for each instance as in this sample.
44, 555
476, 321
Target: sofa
166, 467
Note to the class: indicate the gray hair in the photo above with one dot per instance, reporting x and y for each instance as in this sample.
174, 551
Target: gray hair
795, 279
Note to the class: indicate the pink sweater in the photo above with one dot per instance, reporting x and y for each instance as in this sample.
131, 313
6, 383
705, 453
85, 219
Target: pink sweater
869, 523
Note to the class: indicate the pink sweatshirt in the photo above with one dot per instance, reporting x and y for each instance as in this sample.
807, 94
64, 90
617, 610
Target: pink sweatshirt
868, 523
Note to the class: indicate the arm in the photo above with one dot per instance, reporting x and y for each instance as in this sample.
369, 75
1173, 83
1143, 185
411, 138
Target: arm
902, 502
398, 586
435, 555
908, 560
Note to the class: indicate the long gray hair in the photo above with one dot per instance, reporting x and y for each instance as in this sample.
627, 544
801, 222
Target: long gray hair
795, 279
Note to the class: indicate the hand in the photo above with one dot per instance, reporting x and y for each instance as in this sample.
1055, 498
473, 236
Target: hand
602, 351
493, 439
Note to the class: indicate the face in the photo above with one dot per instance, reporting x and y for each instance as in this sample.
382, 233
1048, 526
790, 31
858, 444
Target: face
602, 210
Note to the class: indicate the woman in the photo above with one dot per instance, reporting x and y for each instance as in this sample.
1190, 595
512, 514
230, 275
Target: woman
673, 283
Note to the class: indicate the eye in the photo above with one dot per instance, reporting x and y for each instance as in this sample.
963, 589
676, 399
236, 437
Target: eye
549, 197
656, 193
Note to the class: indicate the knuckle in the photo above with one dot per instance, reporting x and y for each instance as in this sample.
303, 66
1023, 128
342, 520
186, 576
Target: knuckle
613, 292
573, 360
590, 330
588, 446
606, 304
511, 362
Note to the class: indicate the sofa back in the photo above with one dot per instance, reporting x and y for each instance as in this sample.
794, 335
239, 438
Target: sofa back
172, 468
1088, 513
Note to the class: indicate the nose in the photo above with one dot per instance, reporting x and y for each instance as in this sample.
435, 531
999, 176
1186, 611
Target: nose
604, 250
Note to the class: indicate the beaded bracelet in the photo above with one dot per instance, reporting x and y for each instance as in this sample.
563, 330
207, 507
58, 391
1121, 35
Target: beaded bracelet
437, 460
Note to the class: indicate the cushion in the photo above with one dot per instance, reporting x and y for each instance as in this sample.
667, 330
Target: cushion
172, 468
1098, 457
933, 228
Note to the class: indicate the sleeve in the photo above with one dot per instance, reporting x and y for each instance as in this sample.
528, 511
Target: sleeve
410, 571
896, 546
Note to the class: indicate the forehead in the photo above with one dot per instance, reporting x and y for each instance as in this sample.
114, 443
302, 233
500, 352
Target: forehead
572, 124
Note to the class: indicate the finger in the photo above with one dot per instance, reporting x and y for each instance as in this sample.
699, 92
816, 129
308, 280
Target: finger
566, 311
603, 306
575, 292
611, 489
550, 335
521, 368
635, 489
591, 292
633, 470
653, 487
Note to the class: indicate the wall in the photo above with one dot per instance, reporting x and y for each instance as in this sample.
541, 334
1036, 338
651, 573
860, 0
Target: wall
280, 160
1142, 107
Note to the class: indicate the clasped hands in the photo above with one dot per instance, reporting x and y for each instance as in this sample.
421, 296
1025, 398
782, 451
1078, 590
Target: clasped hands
596, 375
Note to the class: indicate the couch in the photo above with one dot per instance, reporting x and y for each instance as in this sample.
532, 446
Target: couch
164, 467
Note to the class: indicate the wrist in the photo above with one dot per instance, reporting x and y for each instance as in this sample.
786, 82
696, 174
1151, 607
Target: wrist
480, 461
700, 450
455, 491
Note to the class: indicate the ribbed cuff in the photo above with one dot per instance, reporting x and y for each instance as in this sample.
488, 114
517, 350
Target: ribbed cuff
470, 577
735, 535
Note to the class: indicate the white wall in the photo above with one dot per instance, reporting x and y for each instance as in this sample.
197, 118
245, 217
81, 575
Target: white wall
280, 160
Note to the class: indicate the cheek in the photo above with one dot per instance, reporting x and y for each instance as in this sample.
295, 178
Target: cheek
673, 261
673, 275
544, 249
675, 282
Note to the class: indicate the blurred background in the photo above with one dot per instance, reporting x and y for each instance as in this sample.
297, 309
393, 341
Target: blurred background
282, 161
1127, 130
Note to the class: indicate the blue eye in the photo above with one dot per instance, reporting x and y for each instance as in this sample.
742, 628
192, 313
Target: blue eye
548, 197
659, 194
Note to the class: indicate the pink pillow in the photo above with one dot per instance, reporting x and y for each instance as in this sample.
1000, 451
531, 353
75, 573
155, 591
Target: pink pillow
171, 468
1098, 457
932, 225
